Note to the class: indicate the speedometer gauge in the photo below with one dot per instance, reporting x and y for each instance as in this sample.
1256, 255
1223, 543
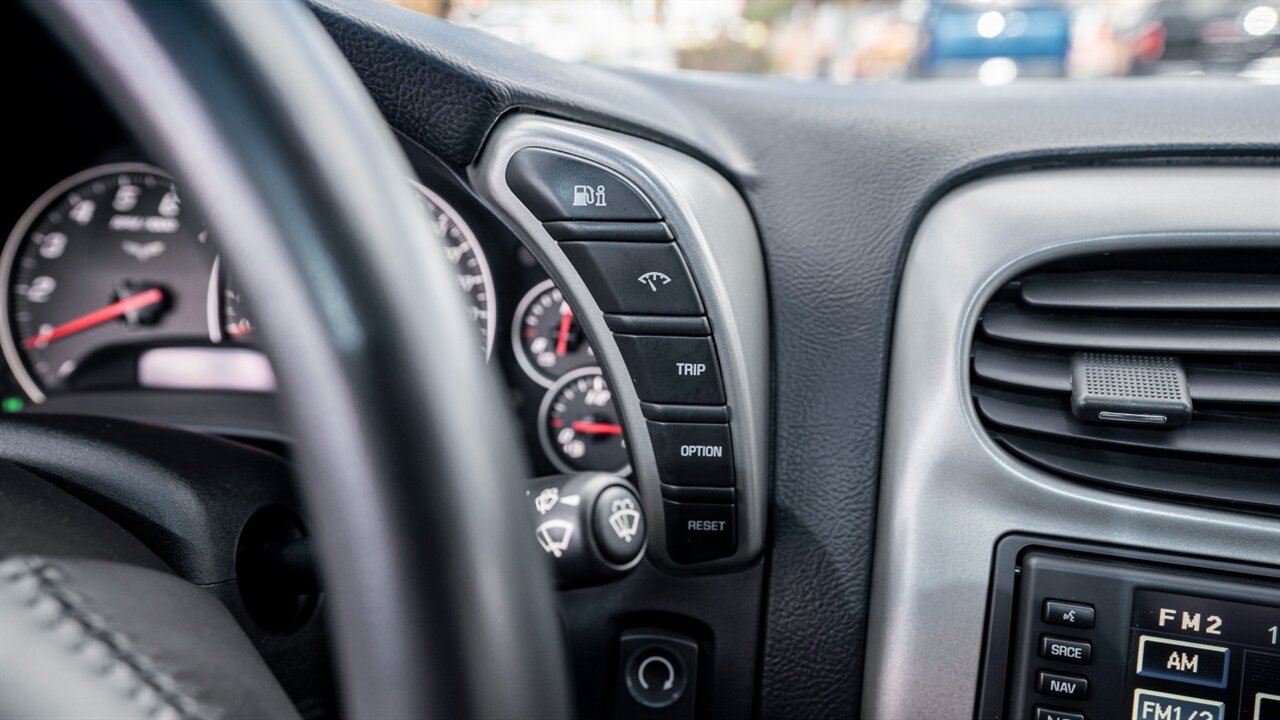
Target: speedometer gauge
103, 260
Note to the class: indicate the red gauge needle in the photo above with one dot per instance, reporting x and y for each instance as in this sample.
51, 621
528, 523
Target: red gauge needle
97, 317
562, 339
597, 428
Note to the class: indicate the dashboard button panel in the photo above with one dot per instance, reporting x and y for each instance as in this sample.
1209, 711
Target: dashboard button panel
1165, 643
559, 186
635, 278
675, 305
673, 369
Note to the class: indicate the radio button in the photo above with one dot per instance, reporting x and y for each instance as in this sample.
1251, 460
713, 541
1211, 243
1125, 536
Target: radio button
1183, 661
1153, 705
1077, 652
1043, 713
1073, 687
1068, 614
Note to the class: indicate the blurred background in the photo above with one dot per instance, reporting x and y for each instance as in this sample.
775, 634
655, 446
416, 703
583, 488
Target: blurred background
993, 42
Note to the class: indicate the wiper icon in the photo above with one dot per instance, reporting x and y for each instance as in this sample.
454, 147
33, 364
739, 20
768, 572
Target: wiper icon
554, 536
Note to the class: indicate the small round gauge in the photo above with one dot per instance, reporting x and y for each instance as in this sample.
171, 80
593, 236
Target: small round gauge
469, 265
579, 426
104, 260
547, 338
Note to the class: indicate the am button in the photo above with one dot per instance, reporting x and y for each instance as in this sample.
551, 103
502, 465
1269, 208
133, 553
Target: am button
1184, 661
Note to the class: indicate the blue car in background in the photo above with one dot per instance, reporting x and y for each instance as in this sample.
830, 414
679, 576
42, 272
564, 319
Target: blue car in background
994, 41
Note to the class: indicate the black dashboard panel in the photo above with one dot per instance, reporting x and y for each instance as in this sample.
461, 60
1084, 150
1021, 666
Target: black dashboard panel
835, 200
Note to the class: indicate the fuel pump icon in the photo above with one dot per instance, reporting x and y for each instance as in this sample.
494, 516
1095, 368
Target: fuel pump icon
587, 196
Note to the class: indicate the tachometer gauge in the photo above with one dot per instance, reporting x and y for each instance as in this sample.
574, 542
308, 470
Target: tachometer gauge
579, 426
230, 317
547, 338
103, 261
469, 265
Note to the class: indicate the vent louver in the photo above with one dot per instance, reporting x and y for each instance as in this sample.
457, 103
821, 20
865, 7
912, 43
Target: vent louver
1213, 314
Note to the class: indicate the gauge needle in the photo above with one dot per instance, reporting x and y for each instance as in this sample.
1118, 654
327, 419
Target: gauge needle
562, 339
97, 317
597, 428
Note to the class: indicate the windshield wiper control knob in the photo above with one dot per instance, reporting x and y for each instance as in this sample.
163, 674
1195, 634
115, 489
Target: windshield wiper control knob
590, 525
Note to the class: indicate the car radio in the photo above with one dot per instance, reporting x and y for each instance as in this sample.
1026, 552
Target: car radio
1100, 635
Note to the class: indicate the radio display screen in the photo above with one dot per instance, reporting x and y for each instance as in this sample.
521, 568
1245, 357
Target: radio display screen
1196, 658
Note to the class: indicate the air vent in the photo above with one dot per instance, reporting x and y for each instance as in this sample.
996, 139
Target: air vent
1207, 319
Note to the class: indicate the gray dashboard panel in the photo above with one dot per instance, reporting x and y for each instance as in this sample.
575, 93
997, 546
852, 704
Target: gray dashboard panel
948, 492
717, 236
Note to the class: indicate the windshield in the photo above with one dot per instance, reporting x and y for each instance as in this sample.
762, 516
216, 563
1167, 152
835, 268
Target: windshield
994, 42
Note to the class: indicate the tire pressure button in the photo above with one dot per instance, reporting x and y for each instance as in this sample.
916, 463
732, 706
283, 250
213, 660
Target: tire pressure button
658, 669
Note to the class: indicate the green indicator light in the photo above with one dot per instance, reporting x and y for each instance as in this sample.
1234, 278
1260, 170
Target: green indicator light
12, 404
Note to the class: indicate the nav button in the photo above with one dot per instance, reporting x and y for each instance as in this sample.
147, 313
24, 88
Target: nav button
1072, 687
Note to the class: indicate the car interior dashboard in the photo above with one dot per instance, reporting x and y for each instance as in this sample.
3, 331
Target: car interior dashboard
833, 401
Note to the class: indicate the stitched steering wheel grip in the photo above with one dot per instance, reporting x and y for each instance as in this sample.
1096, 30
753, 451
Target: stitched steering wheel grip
407, 459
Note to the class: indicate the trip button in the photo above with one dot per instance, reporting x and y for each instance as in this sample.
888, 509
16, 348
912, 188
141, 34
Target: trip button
668, 369
1068, 614
1077, 652
635, 278
693, 454
1073, 687
558, 186
697, 532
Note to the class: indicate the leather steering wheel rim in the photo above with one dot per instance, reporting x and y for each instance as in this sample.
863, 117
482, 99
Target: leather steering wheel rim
408, 463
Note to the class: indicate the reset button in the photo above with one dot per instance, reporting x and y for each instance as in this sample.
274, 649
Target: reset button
697, 532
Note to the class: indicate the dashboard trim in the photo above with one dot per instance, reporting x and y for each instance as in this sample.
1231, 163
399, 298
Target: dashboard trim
948, 492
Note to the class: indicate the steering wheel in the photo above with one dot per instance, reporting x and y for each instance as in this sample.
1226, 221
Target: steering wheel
437, 600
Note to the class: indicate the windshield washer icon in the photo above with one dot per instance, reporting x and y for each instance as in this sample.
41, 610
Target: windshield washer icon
624, 518
546, 500
554, 536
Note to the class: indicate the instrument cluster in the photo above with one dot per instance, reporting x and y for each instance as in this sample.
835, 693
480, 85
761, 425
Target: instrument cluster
115, 300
